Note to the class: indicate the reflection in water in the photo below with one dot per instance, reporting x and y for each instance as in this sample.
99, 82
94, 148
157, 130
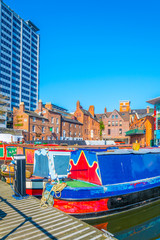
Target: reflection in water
139, 224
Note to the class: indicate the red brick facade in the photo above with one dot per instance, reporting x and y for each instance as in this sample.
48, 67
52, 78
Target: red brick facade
45, 124
115, 125
91, 125
71, 129
144, 123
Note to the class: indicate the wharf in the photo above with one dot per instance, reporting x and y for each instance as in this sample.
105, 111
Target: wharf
24, 219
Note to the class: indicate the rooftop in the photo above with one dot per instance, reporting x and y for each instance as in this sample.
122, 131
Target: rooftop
33, 114
124, 115
64, 119
28, 22
89, 114
154, 101
32, 25
10, 131
56, 107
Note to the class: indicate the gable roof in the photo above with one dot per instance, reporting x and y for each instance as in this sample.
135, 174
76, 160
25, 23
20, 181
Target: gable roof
141, 111
123, 115
144, 115
34, 114
64, 119
89, 114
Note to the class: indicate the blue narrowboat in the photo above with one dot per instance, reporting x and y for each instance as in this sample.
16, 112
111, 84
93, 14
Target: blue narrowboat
104, 183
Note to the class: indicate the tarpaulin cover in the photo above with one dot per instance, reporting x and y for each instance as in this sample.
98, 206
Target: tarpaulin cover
41, 167
125, 167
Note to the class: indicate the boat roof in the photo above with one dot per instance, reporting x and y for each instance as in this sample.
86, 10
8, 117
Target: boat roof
129, 151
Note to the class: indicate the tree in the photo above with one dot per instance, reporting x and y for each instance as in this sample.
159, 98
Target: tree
102, 127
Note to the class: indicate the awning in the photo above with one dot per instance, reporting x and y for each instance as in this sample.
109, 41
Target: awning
135, 132
154, 101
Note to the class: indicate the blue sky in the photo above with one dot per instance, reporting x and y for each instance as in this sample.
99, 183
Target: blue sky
98, 52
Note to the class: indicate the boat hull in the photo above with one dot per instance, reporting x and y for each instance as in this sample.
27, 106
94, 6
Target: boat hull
99, 208
34, 186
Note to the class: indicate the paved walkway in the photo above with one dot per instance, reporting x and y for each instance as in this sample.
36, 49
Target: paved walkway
24, 219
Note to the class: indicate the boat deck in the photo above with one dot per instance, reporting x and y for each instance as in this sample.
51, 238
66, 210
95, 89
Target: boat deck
24, 219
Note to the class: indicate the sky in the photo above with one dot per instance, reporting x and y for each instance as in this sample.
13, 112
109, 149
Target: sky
96, 51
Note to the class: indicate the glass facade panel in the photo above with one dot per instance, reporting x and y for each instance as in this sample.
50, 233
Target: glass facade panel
19, 59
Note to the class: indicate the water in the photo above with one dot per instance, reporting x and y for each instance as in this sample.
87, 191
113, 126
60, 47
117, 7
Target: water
139, 224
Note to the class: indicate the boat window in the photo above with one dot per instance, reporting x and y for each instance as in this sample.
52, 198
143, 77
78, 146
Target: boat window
61, 163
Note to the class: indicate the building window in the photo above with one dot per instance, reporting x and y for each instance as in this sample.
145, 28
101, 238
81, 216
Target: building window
52, 120
109, 131
56, 120
64, 133
75, 126
116, 123
52, 129
43, 120
120, 123
57, 130
75, 134
113, 123
33, 128
42, 129
109, 123
70, 133
116, 116
120, 131
33, 138
79, 134
34, 119
42, 138
49, 138
112, 116
64, 124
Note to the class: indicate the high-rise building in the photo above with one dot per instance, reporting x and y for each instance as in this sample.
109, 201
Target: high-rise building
19, 59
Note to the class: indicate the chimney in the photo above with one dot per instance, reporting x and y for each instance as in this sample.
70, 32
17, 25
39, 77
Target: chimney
91, 110
105, 110
78, 104
148, 108
40, 106
22, 107
48, 105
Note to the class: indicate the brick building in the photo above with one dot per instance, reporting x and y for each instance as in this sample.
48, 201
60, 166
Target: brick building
63, 124
46, 123
71, 129
91, 125
141, 126
124, 106
116, 124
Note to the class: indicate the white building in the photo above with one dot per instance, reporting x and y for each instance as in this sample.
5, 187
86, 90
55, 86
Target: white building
10, 135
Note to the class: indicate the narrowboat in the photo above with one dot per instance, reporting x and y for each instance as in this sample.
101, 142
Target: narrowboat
100, 184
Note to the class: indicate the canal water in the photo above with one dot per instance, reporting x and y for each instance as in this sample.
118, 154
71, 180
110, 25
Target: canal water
139, 224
